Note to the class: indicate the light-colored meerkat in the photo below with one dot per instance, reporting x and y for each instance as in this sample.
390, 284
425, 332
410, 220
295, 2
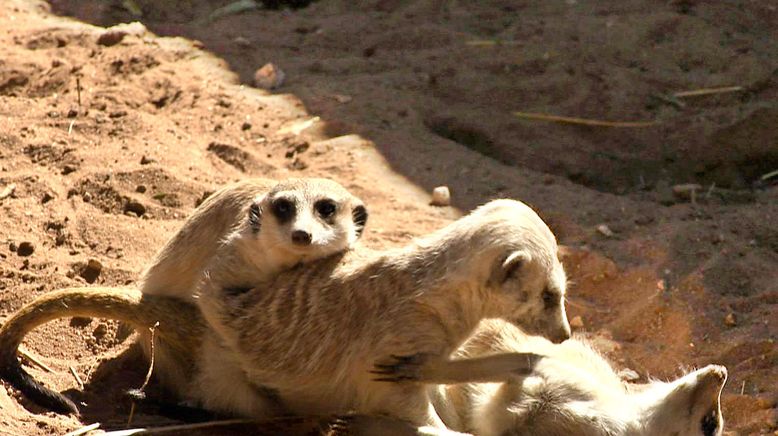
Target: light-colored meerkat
253, 229
365, 331
574, 390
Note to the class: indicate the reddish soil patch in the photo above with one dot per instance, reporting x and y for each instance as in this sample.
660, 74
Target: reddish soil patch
411, 95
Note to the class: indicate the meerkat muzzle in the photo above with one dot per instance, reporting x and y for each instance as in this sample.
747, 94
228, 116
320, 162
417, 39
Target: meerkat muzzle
301, 237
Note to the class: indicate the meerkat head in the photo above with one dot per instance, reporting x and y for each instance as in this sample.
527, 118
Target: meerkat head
526, 280
308, 217
690, 405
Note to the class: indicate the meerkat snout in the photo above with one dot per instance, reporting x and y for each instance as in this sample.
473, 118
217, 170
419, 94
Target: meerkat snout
301, 237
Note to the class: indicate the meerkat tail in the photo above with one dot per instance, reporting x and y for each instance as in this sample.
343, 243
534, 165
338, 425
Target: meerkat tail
128, 305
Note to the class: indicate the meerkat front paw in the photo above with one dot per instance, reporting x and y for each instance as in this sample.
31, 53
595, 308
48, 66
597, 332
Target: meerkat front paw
401, 368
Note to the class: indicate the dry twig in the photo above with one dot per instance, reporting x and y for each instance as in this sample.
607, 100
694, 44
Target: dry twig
148, 374
75, 376
34, 359
582, 121
84, 430
707, 91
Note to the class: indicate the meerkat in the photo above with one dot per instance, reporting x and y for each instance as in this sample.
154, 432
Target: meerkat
257, 227
367, 331
311, 340
306, 219
574, 390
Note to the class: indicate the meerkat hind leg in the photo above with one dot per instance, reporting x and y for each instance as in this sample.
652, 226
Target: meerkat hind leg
424, 368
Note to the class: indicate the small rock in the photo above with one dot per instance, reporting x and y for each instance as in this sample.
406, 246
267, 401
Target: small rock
100, 331
80, 321
687, 191
140, 188
297, 164
146, 160
577, 323
13, 247
87, 197
91, 271
245, 126
242, 42
111, 37
8, 191
730, 320
67, 169
629, 375
135, 207
441, 196
46, 198
25, 249
605, 230
72, 113
269, 77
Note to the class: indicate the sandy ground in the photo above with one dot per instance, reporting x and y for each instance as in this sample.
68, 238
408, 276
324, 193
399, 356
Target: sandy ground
409, 95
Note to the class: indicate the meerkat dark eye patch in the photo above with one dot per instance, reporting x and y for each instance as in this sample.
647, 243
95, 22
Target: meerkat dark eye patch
325, 208
283, 209
255, 213
550, 299
359, 215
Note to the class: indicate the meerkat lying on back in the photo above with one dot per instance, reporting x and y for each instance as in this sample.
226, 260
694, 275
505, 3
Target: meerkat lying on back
574, 390
313, 334
258, 227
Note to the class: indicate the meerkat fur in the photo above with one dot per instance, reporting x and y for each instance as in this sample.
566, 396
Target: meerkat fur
366, 332
245, 223
574, 390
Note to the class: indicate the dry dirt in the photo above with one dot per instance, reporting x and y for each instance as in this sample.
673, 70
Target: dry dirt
410, 95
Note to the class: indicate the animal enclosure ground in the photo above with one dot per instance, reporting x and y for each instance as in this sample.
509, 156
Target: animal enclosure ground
106, 147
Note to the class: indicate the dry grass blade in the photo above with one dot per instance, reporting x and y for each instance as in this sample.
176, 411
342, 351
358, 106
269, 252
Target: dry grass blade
707, 91
34, 359
148, 374
84, 430
75, 376
582, 121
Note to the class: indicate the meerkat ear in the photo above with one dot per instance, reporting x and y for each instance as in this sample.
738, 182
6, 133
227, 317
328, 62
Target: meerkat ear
255, 215
508, 267
359, 215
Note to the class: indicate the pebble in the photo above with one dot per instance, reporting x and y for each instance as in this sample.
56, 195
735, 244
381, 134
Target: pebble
25, 249
242, 42
441, 196
577, 323
605, 230
46, 198
140, 188
91, 271
111, 37
146, 160
269, 77
730, 320
135, 207
67, 169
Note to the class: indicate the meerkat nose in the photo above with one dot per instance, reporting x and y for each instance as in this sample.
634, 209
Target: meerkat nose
301, 237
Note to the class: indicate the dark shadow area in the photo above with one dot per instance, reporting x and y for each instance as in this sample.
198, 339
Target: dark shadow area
429, 71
